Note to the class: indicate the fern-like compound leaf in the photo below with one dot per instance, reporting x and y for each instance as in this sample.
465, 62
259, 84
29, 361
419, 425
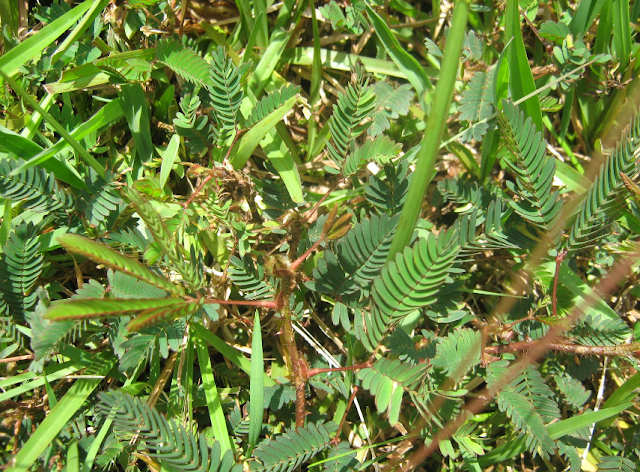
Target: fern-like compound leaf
572, 390
270, 102
293, 448
381, 150
358, 257
616, 463
528, 421
226, 90
249, 279
410, 282
596, 330
36, 188
458, 352
351, 117
466, 194
526, 158
184, 61
388, 194
20, 267
477, 104
198, 133
392, 104
341, 459
521, 401
164, 440
604, 200
531, 384
387, 379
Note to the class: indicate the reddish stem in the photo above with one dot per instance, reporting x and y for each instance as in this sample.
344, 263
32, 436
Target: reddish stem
261, 303
312, 372
336, 439
295, 264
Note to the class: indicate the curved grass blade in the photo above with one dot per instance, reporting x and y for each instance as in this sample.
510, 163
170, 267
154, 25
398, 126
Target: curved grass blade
256, 389
216, 413
11, 61
411, 69
66, 408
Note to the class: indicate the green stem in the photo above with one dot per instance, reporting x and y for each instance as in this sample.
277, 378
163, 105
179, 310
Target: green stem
436, 123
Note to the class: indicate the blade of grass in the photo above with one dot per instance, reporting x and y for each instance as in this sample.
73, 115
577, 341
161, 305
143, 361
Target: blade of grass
624, 393
231, 354
556, 430
136, 110
169, 158
9, 18
106, 116
621, 32
436, 123
95, 10
82, 152
406, 63
583, 18
257, 133
304, 56
269, 61
260, 24
66, 408
32, 47
256, 387
316, 79
216, 413
23, 147
64, 369
520, 77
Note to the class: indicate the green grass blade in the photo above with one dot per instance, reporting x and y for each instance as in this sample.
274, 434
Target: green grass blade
436, 123
62, 370
623, 394
106, 307
256, 388
573, 424
25, 148
9, 16
269, 61
260, 24
251, 138
216, 413
409, 67
32, 127
82, 152
231, 354
136, 110
316, 78
33, 46
621, 32
511, 449
304, 56
169, 158
106, 116
520, 77
95, 10
585, 14
66, 408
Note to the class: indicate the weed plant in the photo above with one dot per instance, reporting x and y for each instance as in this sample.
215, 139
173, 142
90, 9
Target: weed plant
300, 236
